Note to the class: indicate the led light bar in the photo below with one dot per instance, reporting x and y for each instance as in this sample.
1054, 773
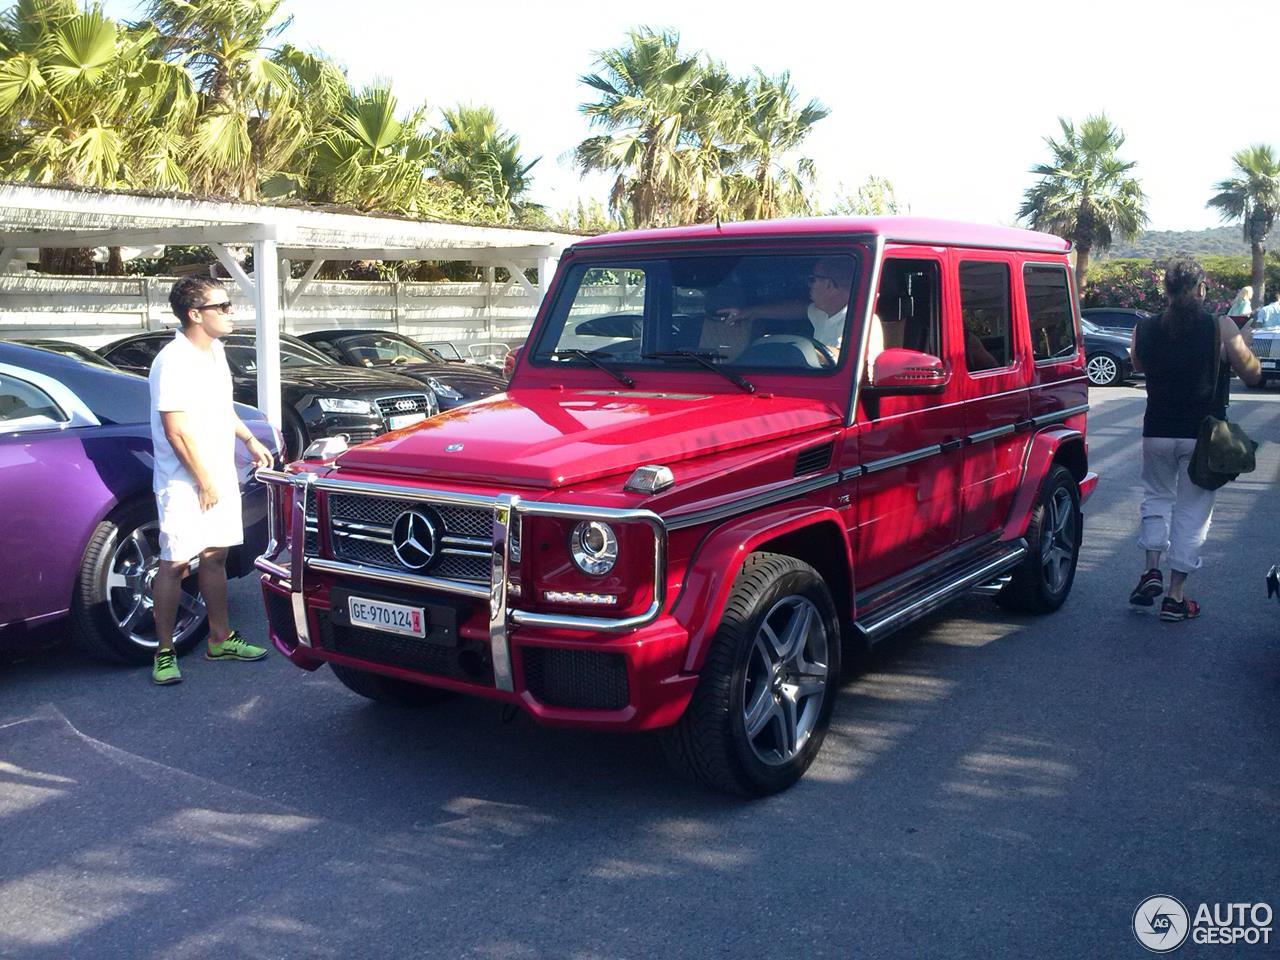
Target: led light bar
585, 599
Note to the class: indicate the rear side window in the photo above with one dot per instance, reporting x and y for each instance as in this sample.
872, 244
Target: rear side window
24, 405
1053, 334
985, 306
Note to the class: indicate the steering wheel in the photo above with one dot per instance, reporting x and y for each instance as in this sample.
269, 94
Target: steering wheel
825, 357
399, 358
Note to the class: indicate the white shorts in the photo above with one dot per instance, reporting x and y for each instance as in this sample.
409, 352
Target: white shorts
186, 531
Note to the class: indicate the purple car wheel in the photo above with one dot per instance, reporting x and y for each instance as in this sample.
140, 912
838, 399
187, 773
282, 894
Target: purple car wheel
113, 611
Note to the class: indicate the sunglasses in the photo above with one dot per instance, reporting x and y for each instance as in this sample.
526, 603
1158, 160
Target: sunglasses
222, 307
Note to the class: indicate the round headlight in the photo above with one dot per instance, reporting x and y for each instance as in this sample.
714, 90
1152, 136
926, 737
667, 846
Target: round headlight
594, 547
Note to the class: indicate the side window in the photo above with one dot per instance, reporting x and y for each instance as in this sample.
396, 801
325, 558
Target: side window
985, 309
1053, 334
23, 406
908, 305
137, 354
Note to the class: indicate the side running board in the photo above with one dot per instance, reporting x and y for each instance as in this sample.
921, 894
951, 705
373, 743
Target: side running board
939, 590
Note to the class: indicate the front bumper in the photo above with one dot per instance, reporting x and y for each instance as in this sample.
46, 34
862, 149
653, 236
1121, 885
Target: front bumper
623, 673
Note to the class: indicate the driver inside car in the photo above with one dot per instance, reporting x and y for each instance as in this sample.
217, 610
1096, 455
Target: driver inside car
830, 284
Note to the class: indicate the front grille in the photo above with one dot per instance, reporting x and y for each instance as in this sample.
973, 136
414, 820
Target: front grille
360, 436
468, 662
583, 679
360, 532
404, 404
1267, 347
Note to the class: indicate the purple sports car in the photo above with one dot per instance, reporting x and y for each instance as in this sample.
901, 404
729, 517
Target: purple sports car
78, 530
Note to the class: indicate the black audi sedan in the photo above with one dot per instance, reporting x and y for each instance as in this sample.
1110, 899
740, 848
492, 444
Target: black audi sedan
322, 398
452, 384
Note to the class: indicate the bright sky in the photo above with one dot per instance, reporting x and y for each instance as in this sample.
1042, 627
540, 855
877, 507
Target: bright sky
949, 100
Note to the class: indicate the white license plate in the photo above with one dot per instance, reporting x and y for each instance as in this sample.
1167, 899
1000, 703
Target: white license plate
390, 617
1269, 364
405, 419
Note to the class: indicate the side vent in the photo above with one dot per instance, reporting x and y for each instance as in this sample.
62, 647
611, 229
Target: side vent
813, 459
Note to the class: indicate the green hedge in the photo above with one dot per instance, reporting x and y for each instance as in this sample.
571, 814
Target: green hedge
1140, 283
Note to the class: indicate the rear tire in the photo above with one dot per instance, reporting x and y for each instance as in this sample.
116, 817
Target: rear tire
295, 437
388, 690
763, 701
1041, 583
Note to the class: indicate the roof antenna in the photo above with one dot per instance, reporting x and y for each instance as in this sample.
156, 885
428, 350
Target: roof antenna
717, 221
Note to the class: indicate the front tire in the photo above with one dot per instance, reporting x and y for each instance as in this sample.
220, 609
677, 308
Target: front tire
1103, 370
1041, 583
763, 702
388, 690
111, 611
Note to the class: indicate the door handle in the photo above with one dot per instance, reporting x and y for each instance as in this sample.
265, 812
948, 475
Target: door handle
951, 444
1022, 426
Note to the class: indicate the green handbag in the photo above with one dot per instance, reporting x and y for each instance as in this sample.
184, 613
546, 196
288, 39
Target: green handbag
1223, 450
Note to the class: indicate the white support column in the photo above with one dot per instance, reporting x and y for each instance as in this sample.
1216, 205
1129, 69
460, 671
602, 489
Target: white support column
266, 304
489, 274
546, 270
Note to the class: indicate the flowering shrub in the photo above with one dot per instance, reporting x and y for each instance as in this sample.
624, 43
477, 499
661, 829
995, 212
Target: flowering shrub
1139, 284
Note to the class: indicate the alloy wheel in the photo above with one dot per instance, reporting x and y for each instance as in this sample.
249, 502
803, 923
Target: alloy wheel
1058, 539
786, 680
134, 563
1102, 370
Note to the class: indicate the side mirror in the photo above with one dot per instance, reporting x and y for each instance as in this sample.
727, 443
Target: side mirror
509, 361
899, 372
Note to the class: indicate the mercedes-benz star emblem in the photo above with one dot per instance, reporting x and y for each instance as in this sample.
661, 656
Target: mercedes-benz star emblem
413, 538
453, 448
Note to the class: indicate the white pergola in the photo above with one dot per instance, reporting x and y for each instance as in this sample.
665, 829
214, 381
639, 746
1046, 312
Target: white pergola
56, 217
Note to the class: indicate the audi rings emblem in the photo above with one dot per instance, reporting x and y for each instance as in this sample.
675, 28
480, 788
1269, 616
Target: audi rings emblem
407, 405
414, 539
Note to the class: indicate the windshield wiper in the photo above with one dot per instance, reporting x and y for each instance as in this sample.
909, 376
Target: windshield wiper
586, 355
706, 358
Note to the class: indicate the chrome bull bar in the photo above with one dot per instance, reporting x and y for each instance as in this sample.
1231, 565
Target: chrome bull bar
507, 510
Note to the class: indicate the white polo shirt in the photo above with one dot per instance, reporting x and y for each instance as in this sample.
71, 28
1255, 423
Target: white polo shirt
827, 327
198, 383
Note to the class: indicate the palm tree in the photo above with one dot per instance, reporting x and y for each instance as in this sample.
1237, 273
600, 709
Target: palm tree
484, 161
1252, 197
251, 120
774, 125
645, 88
1086, 194
704, 164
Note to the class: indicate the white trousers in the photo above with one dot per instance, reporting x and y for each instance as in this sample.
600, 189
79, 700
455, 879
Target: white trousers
1175, 512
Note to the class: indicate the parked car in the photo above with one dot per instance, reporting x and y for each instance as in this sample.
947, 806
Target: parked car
1117, 320
68, 349
451, 384
1107, 362
79, 538
1266, 346
322, 398
484, 353
681, 529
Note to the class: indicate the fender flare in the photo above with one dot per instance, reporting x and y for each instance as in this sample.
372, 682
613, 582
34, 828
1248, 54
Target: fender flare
1043, 452
718, 559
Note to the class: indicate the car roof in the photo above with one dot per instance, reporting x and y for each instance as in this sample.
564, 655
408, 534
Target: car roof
346, 332
892, 229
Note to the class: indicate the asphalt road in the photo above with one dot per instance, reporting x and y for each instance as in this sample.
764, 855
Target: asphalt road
993, 786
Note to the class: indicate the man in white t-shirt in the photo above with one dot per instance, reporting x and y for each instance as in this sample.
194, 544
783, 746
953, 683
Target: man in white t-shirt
1268, 317
194, 429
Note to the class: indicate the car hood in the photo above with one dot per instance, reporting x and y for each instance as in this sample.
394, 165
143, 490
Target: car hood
338, 381
471, 381
552, 438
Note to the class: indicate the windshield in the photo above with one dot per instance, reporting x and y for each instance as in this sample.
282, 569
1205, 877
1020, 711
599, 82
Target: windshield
372, 348
242, 356
775, 311
444, 349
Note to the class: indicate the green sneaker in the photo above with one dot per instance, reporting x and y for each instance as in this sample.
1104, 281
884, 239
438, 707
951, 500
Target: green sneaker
164, 669
234, 648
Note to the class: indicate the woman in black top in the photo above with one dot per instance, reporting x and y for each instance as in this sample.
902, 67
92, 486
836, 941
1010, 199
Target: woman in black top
1179, 353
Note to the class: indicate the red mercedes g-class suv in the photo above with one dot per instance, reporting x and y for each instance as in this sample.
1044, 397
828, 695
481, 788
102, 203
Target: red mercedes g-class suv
726, 453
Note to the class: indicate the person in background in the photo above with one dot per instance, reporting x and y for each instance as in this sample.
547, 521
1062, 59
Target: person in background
1268, 317
194, 429
1178, 352
1242, 306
